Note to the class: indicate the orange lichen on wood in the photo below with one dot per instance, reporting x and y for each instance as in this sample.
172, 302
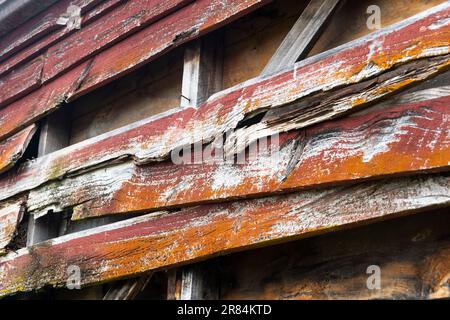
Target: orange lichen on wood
156, 241
395, 140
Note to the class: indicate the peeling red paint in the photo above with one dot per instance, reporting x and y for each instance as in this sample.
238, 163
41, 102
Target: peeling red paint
152, 242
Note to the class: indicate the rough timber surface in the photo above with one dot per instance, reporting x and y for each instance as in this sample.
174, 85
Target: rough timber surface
394, 140
11, 214
155, 241
13, 148
320, 88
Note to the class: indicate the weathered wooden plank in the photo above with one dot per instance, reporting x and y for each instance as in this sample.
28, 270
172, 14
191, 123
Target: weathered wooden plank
40, 25
302, 35
10, 216
319, 79
40, 102
47, 40
186, 24
21, 81
101, 34
13, 148
390, 141
155, 241
217, 17
412, 254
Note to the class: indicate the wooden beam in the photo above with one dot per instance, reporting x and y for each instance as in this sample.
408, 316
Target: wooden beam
363, 146
101, 34
412, 254
38, 26
13, 148
289, 96
54, 135
199, 18
22, 81
55, 33
202, 77
202, 71
302, 35
154, 241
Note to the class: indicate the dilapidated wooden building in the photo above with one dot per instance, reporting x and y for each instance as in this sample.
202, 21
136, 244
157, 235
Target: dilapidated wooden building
224, 149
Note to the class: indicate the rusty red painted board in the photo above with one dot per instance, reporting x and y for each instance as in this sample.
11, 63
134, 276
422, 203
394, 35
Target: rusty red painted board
234, 9
154, 139
37, 104
395, 140
11, 214
21, 81
156, 241
39, 26
47, 40
13, 148
103, 33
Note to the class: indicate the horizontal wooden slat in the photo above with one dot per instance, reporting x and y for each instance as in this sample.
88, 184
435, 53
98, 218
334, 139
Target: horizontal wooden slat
151, 242
392, 140
10, 217
228, 11
21, 81
319, 79
145, 45
12, 149
103, 33
59, 34
38, 26
40, 102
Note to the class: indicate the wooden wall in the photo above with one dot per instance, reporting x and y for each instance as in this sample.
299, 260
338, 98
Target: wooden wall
412, 253
249, 43
150, 90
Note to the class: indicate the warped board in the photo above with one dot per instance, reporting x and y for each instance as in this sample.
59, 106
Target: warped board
412, 253
40, 25
310, 92
204, 15
160, 240
13, 148
10, 216
103, 33
392, 140
52, 37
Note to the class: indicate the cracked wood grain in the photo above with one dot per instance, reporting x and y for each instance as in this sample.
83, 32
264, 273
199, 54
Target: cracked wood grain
374, 58
103, 33
37, 27
13, 148
40, 102
396, 140
155, 241
21, 81
11, 214
202, 16
39, 47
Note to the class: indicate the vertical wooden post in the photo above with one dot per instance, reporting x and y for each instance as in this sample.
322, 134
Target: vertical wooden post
54, 135
202, 76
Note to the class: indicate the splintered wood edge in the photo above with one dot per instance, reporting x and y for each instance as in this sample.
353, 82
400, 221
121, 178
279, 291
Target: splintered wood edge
152, 242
